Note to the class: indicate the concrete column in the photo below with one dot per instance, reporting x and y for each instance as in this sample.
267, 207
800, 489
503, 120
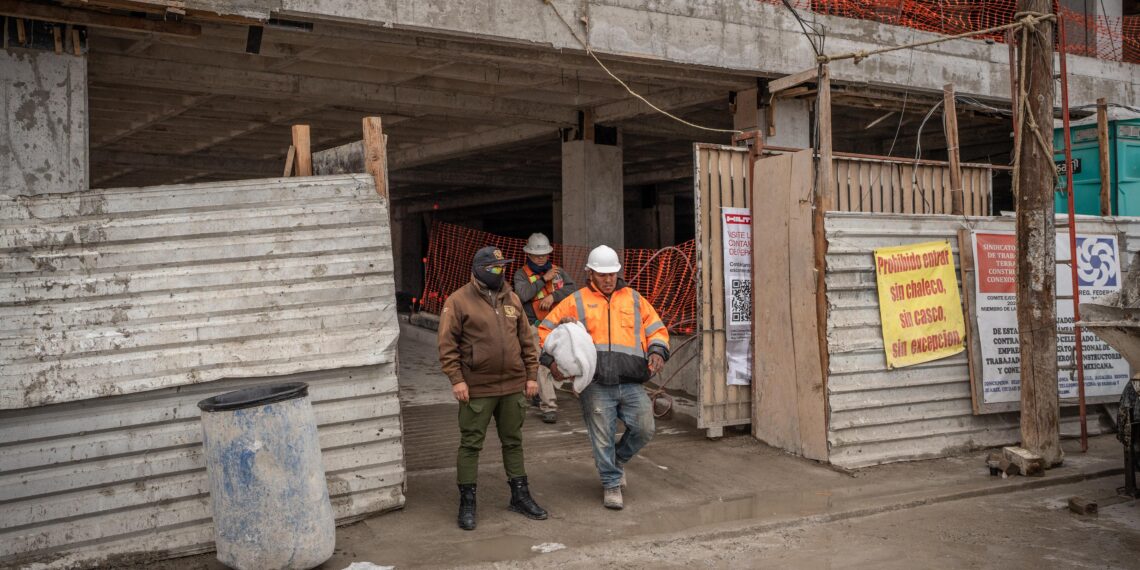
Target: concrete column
43, 138
666, 219
792, 118
556, 203
592, 194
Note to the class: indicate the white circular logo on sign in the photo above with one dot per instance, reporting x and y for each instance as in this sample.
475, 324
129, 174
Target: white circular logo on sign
1095, 262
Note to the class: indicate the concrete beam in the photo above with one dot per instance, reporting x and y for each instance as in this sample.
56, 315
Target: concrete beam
741, 35
300, 88
93, 19
468, 200
193, 162
499, 138
468, 179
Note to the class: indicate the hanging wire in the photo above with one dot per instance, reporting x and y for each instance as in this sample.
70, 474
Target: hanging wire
629, 89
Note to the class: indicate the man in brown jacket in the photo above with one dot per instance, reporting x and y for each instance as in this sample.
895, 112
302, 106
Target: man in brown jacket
488, 351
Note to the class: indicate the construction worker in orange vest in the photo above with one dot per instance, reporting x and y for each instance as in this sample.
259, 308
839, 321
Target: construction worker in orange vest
540, 285
632, 345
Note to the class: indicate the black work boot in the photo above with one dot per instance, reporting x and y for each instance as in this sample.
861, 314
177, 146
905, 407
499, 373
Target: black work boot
521, 501
467, 507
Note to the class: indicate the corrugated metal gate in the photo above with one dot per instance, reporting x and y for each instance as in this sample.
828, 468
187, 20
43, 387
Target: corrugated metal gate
878, 415
120, 309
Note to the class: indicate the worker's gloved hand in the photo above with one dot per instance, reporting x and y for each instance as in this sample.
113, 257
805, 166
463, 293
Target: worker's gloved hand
550, 275
556, 373
656, 363
460, 392
531, 388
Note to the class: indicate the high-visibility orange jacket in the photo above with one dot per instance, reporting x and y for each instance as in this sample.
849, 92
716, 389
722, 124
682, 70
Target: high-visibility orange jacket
625, 329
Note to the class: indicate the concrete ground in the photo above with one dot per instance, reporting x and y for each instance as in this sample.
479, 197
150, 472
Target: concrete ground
731, 503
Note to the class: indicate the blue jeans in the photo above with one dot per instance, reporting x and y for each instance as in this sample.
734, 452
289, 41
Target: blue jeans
602, 406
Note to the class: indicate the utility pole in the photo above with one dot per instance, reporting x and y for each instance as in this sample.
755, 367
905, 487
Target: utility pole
1036, 243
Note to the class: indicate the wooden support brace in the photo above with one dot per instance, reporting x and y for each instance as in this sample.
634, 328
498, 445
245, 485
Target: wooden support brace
304, 155
21, 33
789, 81
57, 37
1105, 158
376, 154
950, 124
290, 158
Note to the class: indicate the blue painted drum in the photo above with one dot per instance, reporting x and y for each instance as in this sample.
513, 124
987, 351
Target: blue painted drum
267, 484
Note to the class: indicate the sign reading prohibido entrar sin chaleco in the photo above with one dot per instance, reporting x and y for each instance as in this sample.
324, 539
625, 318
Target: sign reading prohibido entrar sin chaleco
919, 303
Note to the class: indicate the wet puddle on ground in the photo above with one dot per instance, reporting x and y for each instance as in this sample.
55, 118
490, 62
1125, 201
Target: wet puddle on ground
736, 509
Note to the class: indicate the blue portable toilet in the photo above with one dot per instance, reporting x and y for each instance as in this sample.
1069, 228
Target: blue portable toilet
1124, 158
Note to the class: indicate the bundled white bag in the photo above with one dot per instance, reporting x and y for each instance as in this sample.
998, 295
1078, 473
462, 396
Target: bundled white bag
573, 350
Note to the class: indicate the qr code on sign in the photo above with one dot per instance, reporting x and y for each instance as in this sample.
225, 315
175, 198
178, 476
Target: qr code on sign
741, 309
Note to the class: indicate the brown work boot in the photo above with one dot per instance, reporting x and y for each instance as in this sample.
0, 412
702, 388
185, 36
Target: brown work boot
612, 499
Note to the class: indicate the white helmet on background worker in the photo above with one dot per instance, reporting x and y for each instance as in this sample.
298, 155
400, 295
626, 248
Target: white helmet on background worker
538, 244
603, 259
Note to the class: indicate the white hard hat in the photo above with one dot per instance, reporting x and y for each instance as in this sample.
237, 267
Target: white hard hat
603, 259
537, 244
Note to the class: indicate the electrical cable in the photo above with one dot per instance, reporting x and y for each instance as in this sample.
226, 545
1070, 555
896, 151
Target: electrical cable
629, 89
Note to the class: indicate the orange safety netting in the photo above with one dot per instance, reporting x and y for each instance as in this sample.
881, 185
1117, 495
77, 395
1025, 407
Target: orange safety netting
665, 277
1115, 38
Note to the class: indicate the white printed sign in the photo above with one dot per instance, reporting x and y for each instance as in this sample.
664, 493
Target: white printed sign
1098, 273
736, 224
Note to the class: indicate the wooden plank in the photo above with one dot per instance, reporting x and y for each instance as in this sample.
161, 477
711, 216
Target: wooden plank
896, 188
304, 155
57, 38
722, 197
76, 43
808, 310
704, 221
789, 81
903, 181
774, 407
843, 203
1102, 148
973, 347
290, 158
823, 104
376, 154
36, 11
866, 194
950, 126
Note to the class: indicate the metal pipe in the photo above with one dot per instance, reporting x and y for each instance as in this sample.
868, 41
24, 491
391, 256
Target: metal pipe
1073, 263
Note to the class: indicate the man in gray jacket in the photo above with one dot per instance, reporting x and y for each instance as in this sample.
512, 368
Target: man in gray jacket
540, 286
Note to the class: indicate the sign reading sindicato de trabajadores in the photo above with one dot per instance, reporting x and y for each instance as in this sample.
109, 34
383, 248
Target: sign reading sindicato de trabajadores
919, 304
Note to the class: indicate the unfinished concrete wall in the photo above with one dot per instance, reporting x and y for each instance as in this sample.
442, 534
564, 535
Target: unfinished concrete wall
43, 137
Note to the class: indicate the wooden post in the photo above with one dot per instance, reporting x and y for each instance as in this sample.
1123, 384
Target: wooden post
376, 154
950, 125
822, 197
1036, 245
304, 153
1106, 188
1011, 41
823, 184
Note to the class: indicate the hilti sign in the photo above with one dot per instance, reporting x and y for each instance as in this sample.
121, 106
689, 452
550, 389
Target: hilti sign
738, 219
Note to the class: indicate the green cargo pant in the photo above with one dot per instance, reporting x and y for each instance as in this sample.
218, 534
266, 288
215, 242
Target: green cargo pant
474, 416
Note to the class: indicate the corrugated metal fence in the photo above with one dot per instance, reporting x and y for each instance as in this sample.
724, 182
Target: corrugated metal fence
878, 415
120, 309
